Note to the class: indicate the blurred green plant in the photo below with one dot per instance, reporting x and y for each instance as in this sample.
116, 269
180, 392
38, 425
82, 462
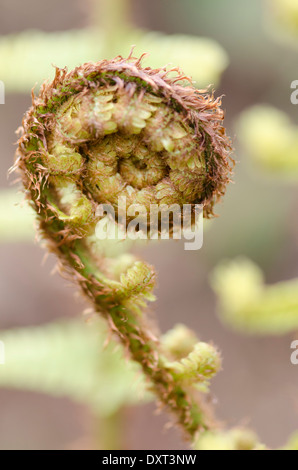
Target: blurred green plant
70, 358
283, 19
247, 304
17, 223
235, 439
270, 139
35, 52
238, 439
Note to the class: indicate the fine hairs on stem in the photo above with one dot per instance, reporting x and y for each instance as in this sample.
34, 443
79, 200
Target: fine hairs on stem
82, 143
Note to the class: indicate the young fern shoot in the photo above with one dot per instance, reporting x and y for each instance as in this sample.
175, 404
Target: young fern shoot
111, 129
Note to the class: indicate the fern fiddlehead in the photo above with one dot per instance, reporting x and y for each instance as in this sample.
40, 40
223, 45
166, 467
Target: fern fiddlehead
113, 129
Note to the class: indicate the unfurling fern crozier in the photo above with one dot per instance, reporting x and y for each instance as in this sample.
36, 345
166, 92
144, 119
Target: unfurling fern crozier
113, 129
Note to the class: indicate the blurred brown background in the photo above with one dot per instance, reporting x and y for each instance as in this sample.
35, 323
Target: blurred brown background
258, 385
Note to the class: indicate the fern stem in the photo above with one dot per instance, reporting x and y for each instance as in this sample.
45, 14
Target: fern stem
110, 130
112, 17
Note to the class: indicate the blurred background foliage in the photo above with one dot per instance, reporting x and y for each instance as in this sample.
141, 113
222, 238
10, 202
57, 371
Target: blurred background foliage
248, 51
78, 364
111, 34
283, 20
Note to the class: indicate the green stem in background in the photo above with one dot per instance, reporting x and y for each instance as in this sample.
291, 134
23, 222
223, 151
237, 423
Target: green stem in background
112, 19
109, 431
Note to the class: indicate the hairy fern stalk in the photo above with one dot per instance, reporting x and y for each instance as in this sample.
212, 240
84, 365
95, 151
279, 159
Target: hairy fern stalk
111, 129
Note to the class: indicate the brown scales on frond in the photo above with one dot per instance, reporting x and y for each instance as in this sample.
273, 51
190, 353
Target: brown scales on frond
110, 129
197, 109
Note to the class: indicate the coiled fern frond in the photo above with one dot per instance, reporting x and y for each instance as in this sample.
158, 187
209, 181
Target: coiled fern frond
112, 129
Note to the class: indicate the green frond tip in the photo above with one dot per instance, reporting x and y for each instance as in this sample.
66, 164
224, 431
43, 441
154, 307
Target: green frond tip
179, 342
200, 365
137, 285
247, 304
69, 358
189, 360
